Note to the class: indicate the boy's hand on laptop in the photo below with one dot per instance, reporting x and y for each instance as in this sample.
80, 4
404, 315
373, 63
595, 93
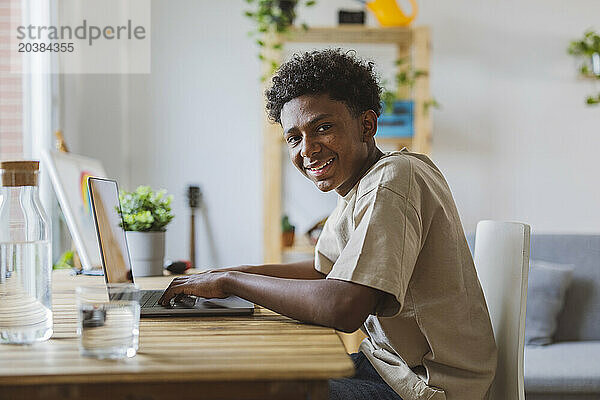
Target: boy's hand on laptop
207, 284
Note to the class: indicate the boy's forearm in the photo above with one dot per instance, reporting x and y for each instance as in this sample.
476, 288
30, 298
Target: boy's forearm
297, 270
312, 301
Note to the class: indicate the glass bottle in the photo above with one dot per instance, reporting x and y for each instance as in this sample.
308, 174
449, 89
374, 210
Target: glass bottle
25, 262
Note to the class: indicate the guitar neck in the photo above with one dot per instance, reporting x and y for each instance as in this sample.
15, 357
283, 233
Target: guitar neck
193, 239
194, 198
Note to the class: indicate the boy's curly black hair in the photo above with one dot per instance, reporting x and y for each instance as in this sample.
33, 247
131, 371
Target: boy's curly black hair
341, 75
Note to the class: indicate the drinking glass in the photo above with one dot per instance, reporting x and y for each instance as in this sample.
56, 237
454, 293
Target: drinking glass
108, 320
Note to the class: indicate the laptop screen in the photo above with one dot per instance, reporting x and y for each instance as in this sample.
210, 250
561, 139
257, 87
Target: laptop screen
104, 195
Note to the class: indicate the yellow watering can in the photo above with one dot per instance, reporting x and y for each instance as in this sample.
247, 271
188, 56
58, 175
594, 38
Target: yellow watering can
388, 13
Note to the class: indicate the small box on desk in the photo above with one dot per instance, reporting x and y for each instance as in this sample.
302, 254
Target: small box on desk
348, 17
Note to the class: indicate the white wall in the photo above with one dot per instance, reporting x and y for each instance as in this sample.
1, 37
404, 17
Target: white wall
513, 137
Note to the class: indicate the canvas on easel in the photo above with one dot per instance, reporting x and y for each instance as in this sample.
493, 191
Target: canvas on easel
69, 173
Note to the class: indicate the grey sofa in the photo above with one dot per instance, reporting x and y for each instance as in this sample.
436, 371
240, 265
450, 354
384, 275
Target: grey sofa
569, 368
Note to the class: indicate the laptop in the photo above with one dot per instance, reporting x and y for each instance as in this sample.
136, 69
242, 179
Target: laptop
114, 253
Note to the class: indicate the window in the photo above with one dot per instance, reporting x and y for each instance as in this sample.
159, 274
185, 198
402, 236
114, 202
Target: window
11, 88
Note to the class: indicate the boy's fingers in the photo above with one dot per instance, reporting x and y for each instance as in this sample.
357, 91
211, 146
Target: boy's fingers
168, 295
160, 301
172, 290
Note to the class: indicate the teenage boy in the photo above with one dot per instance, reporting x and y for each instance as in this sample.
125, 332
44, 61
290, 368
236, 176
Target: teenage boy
392, 257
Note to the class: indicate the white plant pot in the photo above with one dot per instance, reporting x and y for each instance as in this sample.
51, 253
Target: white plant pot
147, 252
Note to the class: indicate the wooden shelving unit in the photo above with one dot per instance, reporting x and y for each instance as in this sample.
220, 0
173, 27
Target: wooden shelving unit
411, 43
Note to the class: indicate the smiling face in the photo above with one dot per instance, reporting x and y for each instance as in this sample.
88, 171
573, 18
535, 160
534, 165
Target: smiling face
326, 143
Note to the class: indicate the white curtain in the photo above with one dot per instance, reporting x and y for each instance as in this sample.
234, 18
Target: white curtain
41, 100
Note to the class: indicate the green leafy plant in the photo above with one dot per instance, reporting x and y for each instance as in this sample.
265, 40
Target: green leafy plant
586, 50
593, 100
405, 80
65, 261
286, 226
145, 210
273, 18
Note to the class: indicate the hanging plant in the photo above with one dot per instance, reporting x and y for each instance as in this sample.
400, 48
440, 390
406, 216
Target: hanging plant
397, 119
587, 51
405, 80
273, 18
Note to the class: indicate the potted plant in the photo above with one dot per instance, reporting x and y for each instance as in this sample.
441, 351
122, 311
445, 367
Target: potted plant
145, 216
287, 232
587, 51
397, 118
272, 18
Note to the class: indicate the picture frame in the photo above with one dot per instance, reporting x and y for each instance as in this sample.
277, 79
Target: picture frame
68, 173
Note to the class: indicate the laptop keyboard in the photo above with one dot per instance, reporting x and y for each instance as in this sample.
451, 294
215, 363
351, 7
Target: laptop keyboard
150, 298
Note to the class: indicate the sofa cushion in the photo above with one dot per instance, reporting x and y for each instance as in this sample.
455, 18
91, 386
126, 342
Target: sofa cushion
580, 318
547, 285
567, 367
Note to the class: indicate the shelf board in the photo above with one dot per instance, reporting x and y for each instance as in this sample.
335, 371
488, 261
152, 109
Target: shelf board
301, 246
349, 34
308, 249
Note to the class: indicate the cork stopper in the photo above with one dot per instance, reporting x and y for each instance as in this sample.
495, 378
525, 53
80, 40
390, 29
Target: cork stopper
19, 173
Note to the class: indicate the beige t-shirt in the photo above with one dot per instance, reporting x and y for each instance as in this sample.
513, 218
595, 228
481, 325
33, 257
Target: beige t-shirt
398, 231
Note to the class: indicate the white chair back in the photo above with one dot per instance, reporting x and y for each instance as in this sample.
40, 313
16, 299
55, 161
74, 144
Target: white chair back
502, 264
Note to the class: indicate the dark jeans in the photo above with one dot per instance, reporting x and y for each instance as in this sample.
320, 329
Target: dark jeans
366, 384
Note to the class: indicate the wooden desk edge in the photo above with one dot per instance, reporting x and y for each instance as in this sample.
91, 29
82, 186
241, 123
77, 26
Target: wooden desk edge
16, 380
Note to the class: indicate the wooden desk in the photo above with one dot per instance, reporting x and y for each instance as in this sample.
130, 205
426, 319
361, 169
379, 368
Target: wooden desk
264, 356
